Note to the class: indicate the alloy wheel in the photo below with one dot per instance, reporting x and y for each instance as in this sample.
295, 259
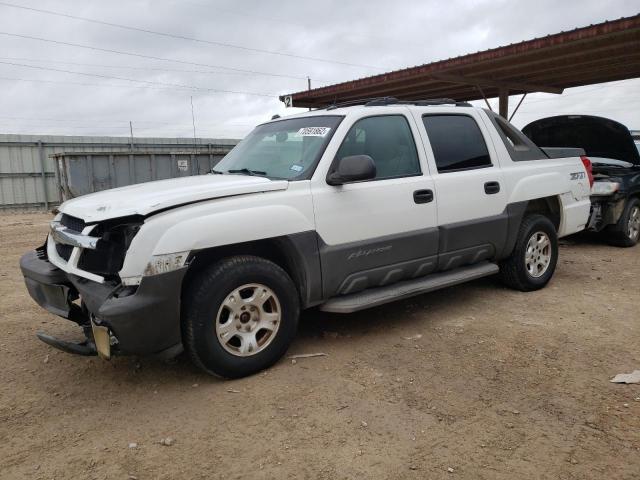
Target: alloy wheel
537, 256
248, 319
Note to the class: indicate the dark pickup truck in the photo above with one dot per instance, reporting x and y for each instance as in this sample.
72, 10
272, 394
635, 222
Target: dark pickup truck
615, 195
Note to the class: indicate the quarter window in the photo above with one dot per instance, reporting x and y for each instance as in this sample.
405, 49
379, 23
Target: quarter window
388, 141
457, 142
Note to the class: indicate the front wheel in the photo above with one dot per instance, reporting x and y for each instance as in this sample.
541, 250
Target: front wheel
626, 232
534, 257
239, 316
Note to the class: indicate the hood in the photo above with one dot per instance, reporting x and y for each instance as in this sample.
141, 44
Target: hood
598, 136
146, 198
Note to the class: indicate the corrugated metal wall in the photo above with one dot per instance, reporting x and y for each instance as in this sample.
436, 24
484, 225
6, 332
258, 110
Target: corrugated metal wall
82, 173
28, 174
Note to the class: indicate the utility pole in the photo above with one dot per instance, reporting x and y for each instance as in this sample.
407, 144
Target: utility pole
131, 131
309, 86
193, 121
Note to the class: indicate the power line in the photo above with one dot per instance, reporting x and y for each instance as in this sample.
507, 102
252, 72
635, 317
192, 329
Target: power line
578, 111
184, 37
56, 130
123, 67
84, 84
558, 98
148, 82
72, 127
125, 128
151, 57
279, 21
111, 120
44, 123
132, 67
571, 94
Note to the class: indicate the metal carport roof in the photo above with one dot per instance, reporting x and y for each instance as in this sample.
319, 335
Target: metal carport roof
598, 53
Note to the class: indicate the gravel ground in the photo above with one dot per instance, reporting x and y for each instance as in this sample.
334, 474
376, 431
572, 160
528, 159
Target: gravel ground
472, 382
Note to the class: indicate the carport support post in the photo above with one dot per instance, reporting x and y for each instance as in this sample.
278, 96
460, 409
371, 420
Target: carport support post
504, 103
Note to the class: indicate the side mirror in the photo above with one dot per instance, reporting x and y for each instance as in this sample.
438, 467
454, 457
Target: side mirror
354, 168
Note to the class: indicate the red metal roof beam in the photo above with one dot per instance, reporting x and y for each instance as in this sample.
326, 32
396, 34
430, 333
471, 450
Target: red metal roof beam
484, 82
603, 53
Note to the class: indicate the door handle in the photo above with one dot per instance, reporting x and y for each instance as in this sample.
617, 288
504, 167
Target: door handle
423, 196
491, 187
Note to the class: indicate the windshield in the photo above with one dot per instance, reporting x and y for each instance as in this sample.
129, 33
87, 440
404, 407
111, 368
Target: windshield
285, 149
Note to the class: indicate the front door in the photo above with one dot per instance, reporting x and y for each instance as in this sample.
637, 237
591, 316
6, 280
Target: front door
377, 232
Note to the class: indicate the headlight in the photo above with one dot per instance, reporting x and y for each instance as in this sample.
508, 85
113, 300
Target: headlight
604, 188
113, 240
166, 263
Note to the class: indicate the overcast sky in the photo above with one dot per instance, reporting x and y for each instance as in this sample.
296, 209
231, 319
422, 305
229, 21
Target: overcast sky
357, 38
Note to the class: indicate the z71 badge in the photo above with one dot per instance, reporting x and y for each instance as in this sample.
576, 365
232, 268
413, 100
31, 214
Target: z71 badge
576, 176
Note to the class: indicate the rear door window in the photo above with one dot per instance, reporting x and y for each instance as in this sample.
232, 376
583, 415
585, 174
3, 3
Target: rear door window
457, 142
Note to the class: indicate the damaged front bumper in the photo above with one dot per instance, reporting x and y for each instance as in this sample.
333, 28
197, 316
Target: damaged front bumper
142, 320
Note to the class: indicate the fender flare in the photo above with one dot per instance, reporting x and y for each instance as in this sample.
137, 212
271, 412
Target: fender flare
231, 227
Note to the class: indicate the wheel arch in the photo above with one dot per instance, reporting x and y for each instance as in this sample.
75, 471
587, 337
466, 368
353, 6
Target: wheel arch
549, 206
296, 254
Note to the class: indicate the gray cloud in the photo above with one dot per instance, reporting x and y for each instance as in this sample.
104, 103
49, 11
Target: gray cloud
385, 35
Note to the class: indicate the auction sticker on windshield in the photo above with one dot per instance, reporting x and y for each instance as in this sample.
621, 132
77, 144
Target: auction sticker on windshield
313, 132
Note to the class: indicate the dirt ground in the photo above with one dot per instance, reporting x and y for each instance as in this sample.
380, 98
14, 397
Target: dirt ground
472, 382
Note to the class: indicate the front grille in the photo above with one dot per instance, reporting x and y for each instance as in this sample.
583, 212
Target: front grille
108, 257
73, 223
64, 251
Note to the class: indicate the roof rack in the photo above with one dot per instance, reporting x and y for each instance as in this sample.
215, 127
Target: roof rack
381, 101
438, 101
349, 103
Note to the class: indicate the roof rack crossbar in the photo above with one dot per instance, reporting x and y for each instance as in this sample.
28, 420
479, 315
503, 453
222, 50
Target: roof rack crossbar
360, 101
381, 101
437, 101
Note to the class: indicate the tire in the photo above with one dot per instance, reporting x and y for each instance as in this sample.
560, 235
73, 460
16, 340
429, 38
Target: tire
626, 232
528, 269
228, 304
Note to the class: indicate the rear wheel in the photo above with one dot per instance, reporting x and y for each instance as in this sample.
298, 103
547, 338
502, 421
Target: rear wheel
626, 232
534, 257
240, 315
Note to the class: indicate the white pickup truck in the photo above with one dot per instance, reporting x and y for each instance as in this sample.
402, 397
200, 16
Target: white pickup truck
341, 208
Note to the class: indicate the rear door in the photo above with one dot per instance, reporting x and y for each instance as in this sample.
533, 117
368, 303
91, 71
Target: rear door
469, 187
376, 232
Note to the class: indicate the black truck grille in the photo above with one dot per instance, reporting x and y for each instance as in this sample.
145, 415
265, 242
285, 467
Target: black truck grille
64, 250
73, 223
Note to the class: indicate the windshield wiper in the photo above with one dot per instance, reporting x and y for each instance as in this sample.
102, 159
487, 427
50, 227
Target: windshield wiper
246, 171
216, 172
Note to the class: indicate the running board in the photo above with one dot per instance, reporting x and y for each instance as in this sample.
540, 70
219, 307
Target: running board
373, 297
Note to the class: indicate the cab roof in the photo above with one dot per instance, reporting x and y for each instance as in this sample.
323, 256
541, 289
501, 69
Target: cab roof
345, 108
